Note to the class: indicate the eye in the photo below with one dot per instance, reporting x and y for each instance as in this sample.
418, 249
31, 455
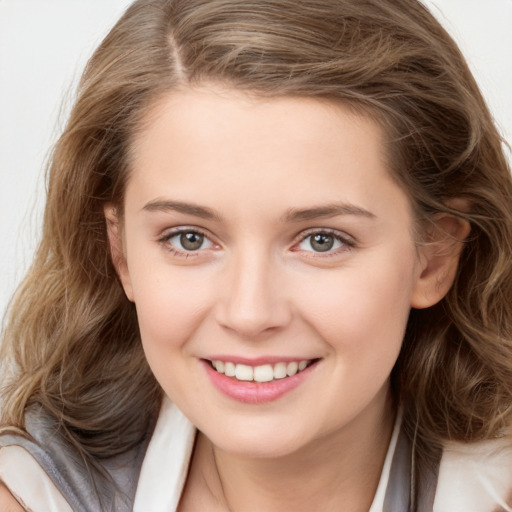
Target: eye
324, 242
187, 240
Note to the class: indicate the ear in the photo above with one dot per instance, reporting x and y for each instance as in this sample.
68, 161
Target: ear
439, 259
116, 243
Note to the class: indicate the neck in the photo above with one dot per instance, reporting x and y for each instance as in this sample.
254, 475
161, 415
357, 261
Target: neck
339, 471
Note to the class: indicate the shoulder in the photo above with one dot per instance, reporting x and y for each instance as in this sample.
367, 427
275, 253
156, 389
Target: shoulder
475, 477
7, 501
22, 475
48, 473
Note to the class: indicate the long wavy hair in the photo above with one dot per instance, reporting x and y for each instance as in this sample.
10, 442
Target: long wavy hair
71, 342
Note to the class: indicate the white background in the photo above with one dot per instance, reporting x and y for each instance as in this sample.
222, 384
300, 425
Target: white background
44, 44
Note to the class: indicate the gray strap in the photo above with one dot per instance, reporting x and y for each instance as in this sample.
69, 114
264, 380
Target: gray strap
49, 466
400, 494
65, 468
427, 487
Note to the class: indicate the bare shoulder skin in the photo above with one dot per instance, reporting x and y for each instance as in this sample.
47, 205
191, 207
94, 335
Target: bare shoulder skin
7, 501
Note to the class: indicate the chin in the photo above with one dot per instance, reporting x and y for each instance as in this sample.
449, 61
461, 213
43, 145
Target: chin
258, 443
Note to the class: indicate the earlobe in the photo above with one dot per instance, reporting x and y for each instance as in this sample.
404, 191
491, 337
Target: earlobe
115, 239
439, 259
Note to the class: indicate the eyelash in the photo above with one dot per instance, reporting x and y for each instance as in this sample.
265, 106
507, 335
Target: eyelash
165, 241
346, 242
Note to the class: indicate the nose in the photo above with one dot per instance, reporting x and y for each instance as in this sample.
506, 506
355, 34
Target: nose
254, 300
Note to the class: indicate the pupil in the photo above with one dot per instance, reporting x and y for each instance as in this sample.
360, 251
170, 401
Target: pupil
322, 243
191, 241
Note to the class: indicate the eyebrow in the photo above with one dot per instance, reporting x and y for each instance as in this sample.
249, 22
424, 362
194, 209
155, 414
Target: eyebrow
326, 211
292, 215
182, 207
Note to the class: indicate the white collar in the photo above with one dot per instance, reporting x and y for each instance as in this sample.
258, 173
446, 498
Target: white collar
166, 463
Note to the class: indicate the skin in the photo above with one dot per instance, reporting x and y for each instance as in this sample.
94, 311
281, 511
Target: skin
7, 501
257, 287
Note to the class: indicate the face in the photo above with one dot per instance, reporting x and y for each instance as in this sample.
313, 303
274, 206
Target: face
266, 239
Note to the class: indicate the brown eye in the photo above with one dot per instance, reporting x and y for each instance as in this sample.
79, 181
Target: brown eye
191, 241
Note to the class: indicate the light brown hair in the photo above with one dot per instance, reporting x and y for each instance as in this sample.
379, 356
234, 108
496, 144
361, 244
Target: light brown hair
72, 334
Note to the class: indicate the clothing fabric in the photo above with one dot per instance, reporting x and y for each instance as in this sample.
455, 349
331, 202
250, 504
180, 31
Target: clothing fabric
46, 475
42, 469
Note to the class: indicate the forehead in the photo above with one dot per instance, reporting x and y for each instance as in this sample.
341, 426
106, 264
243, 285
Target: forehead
220, 145
208, 114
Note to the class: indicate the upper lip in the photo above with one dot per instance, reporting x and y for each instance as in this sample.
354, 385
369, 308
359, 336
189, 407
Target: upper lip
258, 361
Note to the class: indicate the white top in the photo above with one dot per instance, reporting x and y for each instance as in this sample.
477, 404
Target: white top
472, 478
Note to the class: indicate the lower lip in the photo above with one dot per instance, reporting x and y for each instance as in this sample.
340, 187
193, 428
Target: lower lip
251, 392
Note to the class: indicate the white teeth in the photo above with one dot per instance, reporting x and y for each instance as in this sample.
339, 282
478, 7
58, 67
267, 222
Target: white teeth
291, 368
262, 373
230, 369
280, 371
244, 372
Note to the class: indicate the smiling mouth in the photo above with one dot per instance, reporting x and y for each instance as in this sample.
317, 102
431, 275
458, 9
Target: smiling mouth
262, 373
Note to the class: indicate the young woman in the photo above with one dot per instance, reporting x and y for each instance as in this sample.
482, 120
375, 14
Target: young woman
274, 275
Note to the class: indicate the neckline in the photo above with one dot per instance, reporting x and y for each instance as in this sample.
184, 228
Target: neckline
166, 463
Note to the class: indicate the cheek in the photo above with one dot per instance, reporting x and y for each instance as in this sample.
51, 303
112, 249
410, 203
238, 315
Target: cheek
170, 304
363, 309
170, 309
